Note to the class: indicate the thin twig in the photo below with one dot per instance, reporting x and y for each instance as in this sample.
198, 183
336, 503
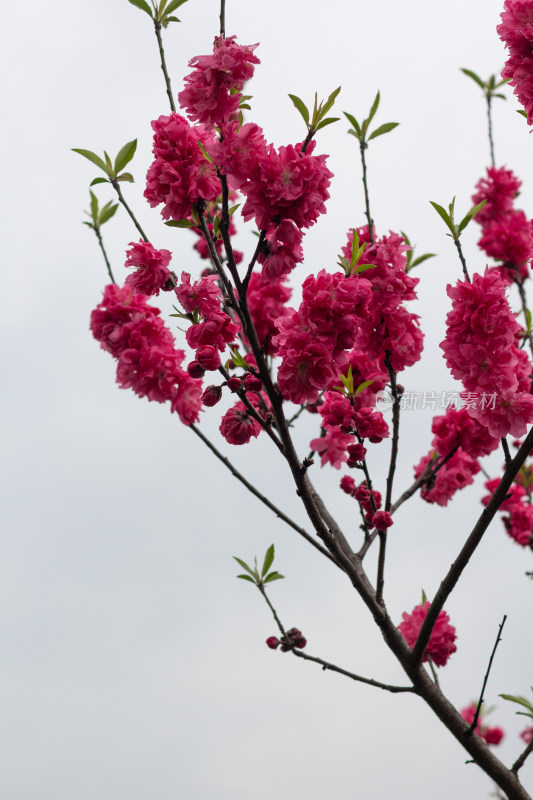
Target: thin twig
473, 726
326, 665
251, 488
489, 117
390, 477
157, 26
468, 549
102, 248
118, 190
506, 451
462, 259
223, 18
251, 265
362, 147
521, 759
523, 300
433, 670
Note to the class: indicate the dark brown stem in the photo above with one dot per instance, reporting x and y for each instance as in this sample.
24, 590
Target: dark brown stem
523, 300
473, 726
223, 18
470, 546
390, 477
157, 26
251, 265
506, 451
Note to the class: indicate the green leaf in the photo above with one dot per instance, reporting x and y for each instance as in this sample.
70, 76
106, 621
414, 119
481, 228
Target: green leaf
108, 211
470, 214
109, 164
501, 96
368, 120
125, 154
246, 578
302, 108
233, 209
245, 566
347, 380
180, 223
173, 5
245, 106
420, 260
522, 112
424, 597
274, 576
522, 701
327, 121
94, 206
204, 152
165, 21
329, 102
216, 226
444, 215
363, 268
98, 180
92, 157
352, 120
267, 563
126, 176
362, 387
238, 360
474, 77
385, 128
142, 4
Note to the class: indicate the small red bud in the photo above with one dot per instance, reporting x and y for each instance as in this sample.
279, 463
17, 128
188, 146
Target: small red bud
211, 395
252, 384
273, 642
234, 384
195, 370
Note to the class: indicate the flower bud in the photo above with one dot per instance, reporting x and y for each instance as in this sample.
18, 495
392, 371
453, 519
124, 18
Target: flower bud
252, 384
211, 395
208, 357
273, 642
234, 384
195, 370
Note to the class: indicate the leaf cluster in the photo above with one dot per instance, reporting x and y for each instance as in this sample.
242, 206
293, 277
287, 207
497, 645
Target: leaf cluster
411, 261
318, 119
448, 217
99, 216
161, 12
489, 86
260, 578
347, 388
350, 266
113, 170
360, 130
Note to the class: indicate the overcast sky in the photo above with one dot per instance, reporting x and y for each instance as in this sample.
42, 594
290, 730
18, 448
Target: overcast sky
134, 663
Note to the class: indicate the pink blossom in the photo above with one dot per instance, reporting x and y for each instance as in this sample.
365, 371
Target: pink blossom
208, 357
332, 447
527, 734
489, 735
499, 189
287, 184
305, 371
516, 31
456, 473
347, 484
457, 428
371, 425
508, 239
217, 331
203, 295
356, 454
153, 373
180, 174
187, 401
336, 411
266, 301
151, 265
238, 426
282, 250
238, 152
441, 643
206, 97
518, 513
382, 520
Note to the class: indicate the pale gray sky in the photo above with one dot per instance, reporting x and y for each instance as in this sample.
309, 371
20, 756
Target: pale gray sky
133, 662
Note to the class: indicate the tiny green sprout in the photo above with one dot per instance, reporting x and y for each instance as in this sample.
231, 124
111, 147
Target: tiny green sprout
448, 217
318, 119
112, 170
360, 130
99, 216
161, 12
260, 578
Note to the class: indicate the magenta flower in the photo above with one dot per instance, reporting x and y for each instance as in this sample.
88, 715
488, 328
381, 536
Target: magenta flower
238, 426
151, 268
441, 643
